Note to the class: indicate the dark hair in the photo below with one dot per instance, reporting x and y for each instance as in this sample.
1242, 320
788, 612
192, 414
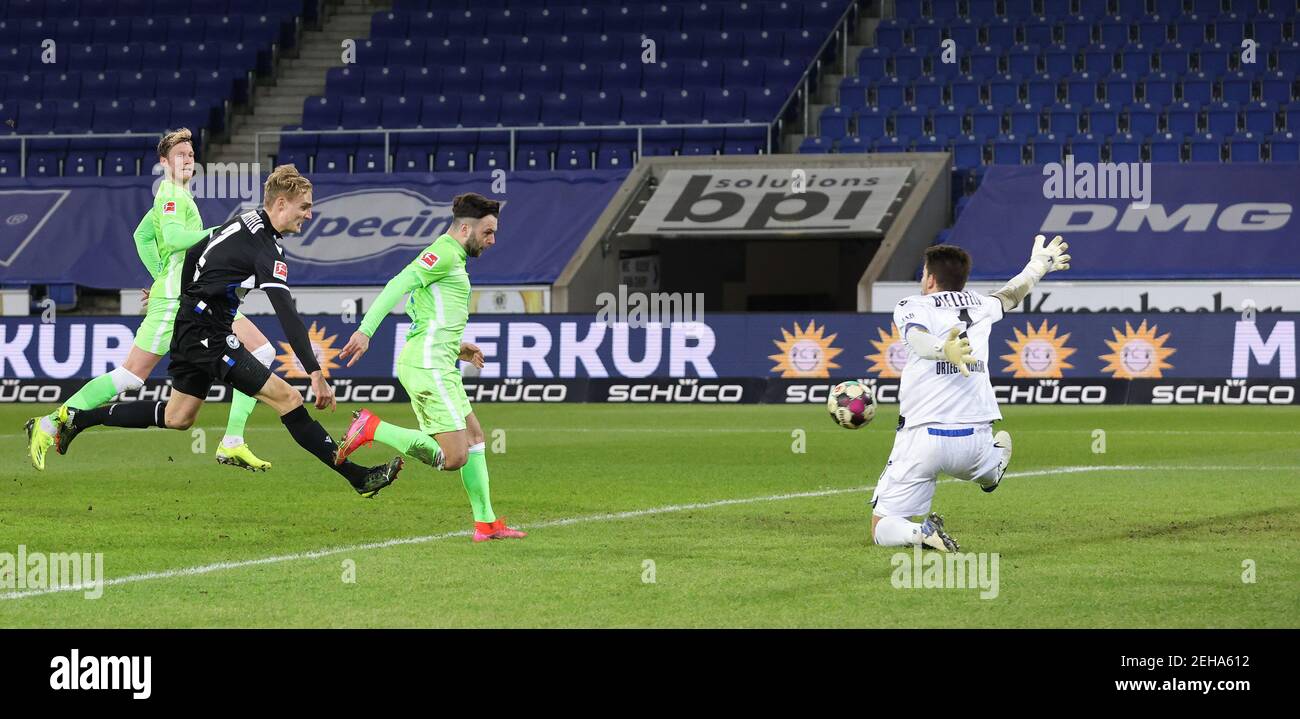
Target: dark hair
949, 265
473, 206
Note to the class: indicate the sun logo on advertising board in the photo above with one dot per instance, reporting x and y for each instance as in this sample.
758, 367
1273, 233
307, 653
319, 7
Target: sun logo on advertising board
891, 354
1038, 352
1139, 353
322, 347
806, 353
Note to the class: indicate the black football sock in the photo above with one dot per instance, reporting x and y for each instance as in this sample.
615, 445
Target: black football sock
312, 437
123, 414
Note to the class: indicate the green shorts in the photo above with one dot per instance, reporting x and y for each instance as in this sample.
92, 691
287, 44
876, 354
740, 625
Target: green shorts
155, 332
437, 396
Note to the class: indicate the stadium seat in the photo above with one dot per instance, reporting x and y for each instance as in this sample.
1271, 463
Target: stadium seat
1206, 147
1167, 147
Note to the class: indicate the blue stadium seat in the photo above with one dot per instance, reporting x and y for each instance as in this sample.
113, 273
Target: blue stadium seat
1284, 147
1099, 60
889, 34
1125, 148
1237, 87
1261, 118
986, 121
1158, 88
1120, 89
1142, 119
449, 52
1102, 119
1206, 147
871, 122
1026, 119
1136, 60
1086, 148
1277, 87
1004, 90
853, 146
927, 92
888, 92
964, 91
541, 78
1197, 88
1042, 89
420, 81
999, 31
1022, 60
1244, 148
1081, 89
947, 121
814, 146
381, 81
1008, 150
834, 123
909, 121
1115, 31
908, 63
927, 33
1222, 118
1183, 118
1063, 120
1167, 147
399, 111
1047, 148
968, 151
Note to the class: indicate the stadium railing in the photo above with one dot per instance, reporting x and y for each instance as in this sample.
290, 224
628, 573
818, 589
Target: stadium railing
514, 131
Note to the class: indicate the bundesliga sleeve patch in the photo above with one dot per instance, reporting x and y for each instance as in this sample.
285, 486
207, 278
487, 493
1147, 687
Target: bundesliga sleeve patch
429, 259
169, 208
281, 271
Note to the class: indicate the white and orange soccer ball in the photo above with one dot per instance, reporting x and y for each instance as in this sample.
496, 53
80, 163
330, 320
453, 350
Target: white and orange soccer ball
851, 404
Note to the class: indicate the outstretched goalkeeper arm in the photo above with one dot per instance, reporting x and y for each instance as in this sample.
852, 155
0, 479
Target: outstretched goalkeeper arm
1046, 257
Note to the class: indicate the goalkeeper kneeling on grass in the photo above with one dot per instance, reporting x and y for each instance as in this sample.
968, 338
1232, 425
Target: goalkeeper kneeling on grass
946, 403
450, 437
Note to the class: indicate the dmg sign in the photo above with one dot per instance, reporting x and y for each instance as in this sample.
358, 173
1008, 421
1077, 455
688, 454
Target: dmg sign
771, 202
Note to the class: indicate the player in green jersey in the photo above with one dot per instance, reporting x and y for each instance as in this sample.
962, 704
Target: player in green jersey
170, 227
450, 437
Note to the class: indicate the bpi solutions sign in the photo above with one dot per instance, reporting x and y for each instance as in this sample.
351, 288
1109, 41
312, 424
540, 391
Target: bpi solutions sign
772, 202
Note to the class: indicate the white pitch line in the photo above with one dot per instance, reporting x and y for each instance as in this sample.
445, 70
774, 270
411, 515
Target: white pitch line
329, 552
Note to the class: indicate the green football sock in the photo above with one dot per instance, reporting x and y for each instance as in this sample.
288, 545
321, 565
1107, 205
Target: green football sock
474, 475
92, 394
241, 405
409, 441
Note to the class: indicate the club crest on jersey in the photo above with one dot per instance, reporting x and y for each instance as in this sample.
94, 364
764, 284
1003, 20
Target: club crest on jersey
281, 271
169, 208
429, 259
232, 342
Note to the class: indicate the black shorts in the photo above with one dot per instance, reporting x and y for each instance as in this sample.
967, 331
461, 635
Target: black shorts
203, 355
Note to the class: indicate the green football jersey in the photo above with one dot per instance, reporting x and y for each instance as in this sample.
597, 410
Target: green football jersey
438, 307
173, 210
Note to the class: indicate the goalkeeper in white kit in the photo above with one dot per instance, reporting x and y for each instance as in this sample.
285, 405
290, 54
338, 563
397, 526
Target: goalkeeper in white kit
946, 402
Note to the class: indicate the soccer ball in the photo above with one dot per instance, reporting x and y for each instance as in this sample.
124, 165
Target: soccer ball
850, 404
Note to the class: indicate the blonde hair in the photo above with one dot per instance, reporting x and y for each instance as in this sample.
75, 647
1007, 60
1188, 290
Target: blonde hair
284, 180
173, 138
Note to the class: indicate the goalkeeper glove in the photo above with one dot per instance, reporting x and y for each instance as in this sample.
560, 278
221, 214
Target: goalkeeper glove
957, 351
1049, 256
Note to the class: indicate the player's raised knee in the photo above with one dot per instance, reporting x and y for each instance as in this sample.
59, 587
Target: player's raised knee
454, 460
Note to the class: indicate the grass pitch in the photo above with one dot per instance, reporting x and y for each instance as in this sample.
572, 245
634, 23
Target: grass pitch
735, 527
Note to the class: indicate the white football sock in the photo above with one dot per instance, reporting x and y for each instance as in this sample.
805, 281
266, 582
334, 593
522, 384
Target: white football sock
897, 532
47, 425
124, 380
265, 354
230, 442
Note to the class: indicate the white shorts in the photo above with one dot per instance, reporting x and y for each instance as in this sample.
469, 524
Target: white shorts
920, 454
